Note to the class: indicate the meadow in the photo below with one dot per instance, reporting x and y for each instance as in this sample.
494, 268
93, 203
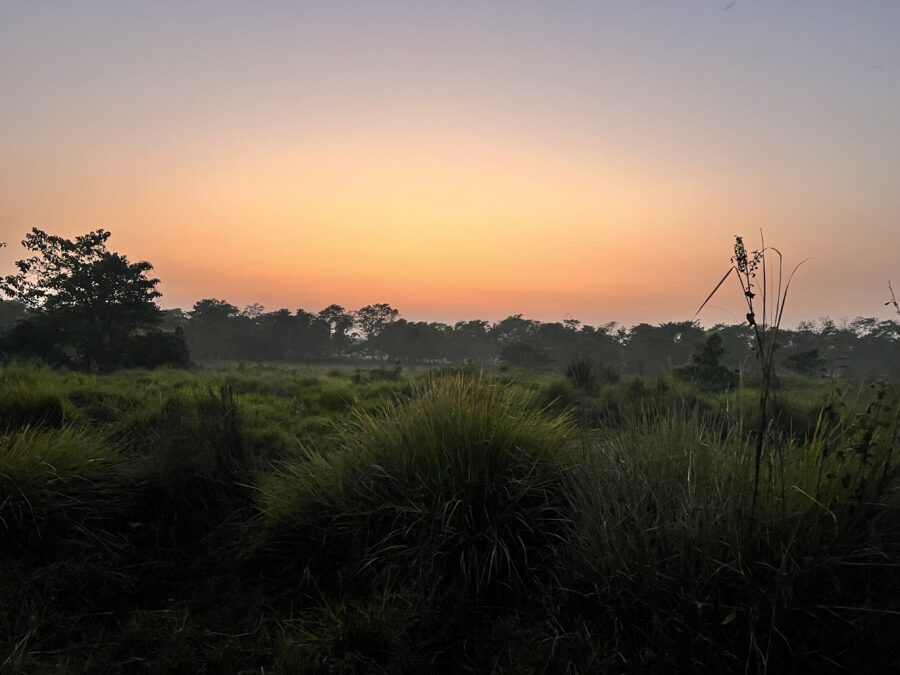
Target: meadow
264, 519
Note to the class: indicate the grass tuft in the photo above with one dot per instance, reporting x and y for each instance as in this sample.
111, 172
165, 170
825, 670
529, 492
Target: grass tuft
467, 481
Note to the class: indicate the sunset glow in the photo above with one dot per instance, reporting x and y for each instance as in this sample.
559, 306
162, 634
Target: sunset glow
588, 159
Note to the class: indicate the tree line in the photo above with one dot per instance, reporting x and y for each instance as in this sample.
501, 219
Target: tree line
74, 303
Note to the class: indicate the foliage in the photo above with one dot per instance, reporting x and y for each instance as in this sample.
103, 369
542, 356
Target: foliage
89, 300
264, 519
705, 369
373, 319
808, 362
524, 355
82, 275
157, 348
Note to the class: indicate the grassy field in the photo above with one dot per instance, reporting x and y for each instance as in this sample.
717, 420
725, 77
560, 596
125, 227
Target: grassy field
266, 520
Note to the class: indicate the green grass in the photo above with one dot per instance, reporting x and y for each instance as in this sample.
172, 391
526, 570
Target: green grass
280, 520
466, 482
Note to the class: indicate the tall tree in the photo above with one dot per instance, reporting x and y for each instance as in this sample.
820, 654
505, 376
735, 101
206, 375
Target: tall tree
372, 319
212, 330
340, 323
94, 298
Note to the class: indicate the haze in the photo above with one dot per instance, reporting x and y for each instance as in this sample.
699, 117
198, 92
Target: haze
464, 159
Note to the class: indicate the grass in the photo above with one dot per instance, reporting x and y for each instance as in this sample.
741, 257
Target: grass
467, 483
277, 520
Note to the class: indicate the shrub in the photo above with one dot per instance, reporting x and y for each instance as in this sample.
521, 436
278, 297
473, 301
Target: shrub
157, 348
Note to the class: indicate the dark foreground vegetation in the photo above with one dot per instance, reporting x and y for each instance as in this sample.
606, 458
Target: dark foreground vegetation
374, 521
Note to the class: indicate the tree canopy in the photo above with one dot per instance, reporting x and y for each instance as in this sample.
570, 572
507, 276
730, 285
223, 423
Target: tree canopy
85, 300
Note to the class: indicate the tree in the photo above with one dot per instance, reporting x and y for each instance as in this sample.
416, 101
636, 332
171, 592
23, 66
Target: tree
372, 319
705, 369
524, 355
10, 313
340, 323
651, 349
807, 362
97, 297
212, 329
513, 329
254, 311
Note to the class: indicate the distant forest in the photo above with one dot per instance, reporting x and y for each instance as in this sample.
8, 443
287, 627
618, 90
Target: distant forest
76, 304
215, 330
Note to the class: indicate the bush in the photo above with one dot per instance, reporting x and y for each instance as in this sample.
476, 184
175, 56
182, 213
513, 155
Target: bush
37, 337
157, 348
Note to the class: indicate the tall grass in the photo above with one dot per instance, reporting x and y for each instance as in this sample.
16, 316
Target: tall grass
661, 537
467, 481
29, 399
53, 480
765, 300
187, 522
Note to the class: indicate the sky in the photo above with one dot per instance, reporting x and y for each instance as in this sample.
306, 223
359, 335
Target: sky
463, 159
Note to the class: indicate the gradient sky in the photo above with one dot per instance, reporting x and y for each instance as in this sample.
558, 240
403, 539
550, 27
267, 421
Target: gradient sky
462, 159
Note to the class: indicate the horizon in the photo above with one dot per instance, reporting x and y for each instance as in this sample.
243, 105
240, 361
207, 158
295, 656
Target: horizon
459, 162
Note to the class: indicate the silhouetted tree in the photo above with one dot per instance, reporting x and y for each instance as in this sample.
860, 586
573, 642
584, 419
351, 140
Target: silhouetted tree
10, 313
513, 329
651, 349
524, 355
372, 319
211, 331
97, 298
471, 341
807, 362
340, 323
705, 369
254, 311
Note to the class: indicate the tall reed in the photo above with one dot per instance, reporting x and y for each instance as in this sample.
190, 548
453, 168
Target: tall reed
765, 290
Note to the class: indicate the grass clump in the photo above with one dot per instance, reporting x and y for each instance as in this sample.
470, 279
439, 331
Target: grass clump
27, 402
586, 374
356, 637
466, 482
53, 480
197, 478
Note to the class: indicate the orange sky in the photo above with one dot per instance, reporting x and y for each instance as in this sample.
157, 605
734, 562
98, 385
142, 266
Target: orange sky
551, 180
